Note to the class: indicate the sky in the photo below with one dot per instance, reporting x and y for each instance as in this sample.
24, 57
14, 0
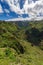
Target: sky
21, 10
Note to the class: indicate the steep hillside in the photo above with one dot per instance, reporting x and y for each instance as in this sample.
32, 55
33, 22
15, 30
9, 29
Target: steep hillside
21, 43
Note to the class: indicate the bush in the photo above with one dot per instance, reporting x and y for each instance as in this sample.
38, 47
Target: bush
7, 52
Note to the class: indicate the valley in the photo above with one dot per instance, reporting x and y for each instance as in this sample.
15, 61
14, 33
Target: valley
21, 43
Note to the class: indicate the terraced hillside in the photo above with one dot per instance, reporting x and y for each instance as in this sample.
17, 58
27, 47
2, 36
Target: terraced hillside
21, 43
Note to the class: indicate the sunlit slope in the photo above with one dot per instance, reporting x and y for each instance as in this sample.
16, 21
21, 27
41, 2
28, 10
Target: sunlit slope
21, 44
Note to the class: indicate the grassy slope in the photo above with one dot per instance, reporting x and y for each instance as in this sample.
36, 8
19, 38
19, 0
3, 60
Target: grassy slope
32, 56
9, 56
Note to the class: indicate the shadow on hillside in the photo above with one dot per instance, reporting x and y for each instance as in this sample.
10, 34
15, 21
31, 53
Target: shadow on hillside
14, 45
18, 47
34, 36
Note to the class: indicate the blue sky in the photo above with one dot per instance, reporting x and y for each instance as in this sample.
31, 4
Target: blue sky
11, 9
5, 15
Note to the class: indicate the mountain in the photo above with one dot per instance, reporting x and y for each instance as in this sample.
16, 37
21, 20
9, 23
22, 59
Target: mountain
21, 43
25, 9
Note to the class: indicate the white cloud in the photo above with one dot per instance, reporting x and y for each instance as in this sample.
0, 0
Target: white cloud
14, 6
18, 19
30, 7
25, 19
2, 0
6, 10
33, 8
1, 11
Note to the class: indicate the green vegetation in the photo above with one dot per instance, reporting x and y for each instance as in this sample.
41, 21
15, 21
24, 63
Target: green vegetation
21, 43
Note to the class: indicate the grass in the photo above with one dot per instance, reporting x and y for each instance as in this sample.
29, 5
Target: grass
13, 42
32, 56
